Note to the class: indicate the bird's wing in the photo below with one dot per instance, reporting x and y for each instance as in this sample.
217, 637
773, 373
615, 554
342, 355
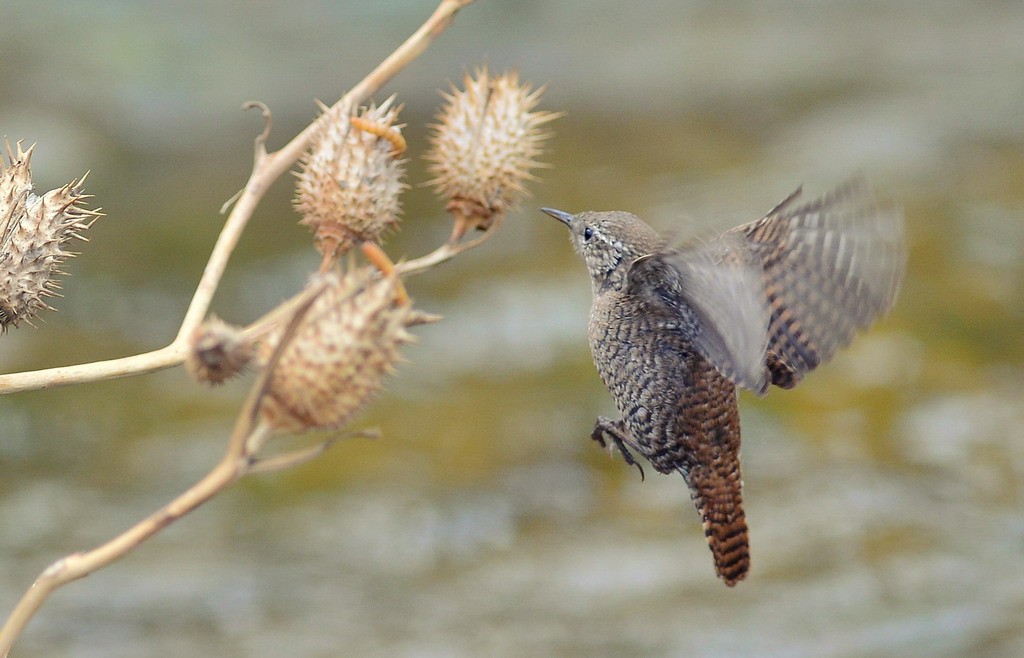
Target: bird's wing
830, 267
714, 291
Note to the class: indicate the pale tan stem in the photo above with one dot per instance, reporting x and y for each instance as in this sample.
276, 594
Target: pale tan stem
283, 312
271, 167
78, 565
447, 251
303, 455
267, 168
249, 433
234, 465
164, 357
247, 438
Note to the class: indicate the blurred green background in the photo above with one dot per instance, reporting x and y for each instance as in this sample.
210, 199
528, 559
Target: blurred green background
883, 494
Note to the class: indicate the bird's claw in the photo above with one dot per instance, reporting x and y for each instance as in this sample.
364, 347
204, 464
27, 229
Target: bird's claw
605, 427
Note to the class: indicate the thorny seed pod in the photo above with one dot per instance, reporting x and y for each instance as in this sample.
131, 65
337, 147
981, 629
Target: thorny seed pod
217, 352
350, 179
34, 230
484, 146
342, 348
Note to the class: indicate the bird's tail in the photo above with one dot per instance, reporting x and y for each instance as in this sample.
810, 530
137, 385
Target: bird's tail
720, 503
710, 433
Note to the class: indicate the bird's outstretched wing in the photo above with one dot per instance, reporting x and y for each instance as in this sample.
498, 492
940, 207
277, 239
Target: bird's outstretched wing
830, 268
768, 301
714, 290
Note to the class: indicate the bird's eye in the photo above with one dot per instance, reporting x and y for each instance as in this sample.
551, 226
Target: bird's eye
588, 233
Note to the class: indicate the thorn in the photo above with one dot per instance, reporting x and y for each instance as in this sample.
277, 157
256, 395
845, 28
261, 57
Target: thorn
422, 317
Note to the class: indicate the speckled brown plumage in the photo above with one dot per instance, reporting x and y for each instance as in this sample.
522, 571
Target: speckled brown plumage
675, 329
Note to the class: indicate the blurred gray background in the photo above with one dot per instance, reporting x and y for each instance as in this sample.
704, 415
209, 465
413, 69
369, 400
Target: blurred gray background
883, 494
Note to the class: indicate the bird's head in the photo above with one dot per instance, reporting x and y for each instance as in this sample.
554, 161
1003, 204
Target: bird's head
608, 241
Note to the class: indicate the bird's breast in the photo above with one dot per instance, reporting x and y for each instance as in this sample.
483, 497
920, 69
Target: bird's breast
640, 355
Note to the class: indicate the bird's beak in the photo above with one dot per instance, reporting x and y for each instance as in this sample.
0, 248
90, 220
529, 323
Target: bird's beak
564, 217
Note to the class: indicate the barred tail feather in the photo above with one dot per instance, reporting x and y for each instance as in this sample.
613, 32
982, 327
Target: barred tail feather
725, 527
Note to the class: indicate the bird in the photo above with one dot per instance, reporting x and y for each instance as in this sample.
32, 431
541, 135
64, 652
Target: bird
676, 328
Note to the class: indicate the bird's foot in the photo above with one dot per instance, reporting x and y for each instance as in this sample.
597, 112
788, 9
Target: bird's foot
615, 430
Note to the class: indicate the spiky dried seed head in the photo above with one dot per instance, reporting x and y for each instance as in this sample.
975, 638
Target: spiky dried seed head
217, 352
34, 231
351, 178
484, 145
342, 348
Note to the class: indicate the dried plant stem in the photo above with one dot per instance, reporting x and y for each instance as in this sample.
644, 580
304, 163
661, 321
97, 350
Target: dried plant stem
136, 364
447, 251
309, 453
239, 459
234, 465
78, 565
380, 260
267, 168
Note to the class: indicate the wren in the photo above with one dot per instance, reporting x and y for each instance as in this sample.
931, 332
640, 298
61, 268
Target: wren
675, 329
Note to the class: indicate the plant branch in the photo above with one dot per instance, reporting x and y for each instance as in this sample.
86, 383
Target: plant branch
303, 455
250, 433
248, 436
267, 168
136, 364
447, 251
78, 565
